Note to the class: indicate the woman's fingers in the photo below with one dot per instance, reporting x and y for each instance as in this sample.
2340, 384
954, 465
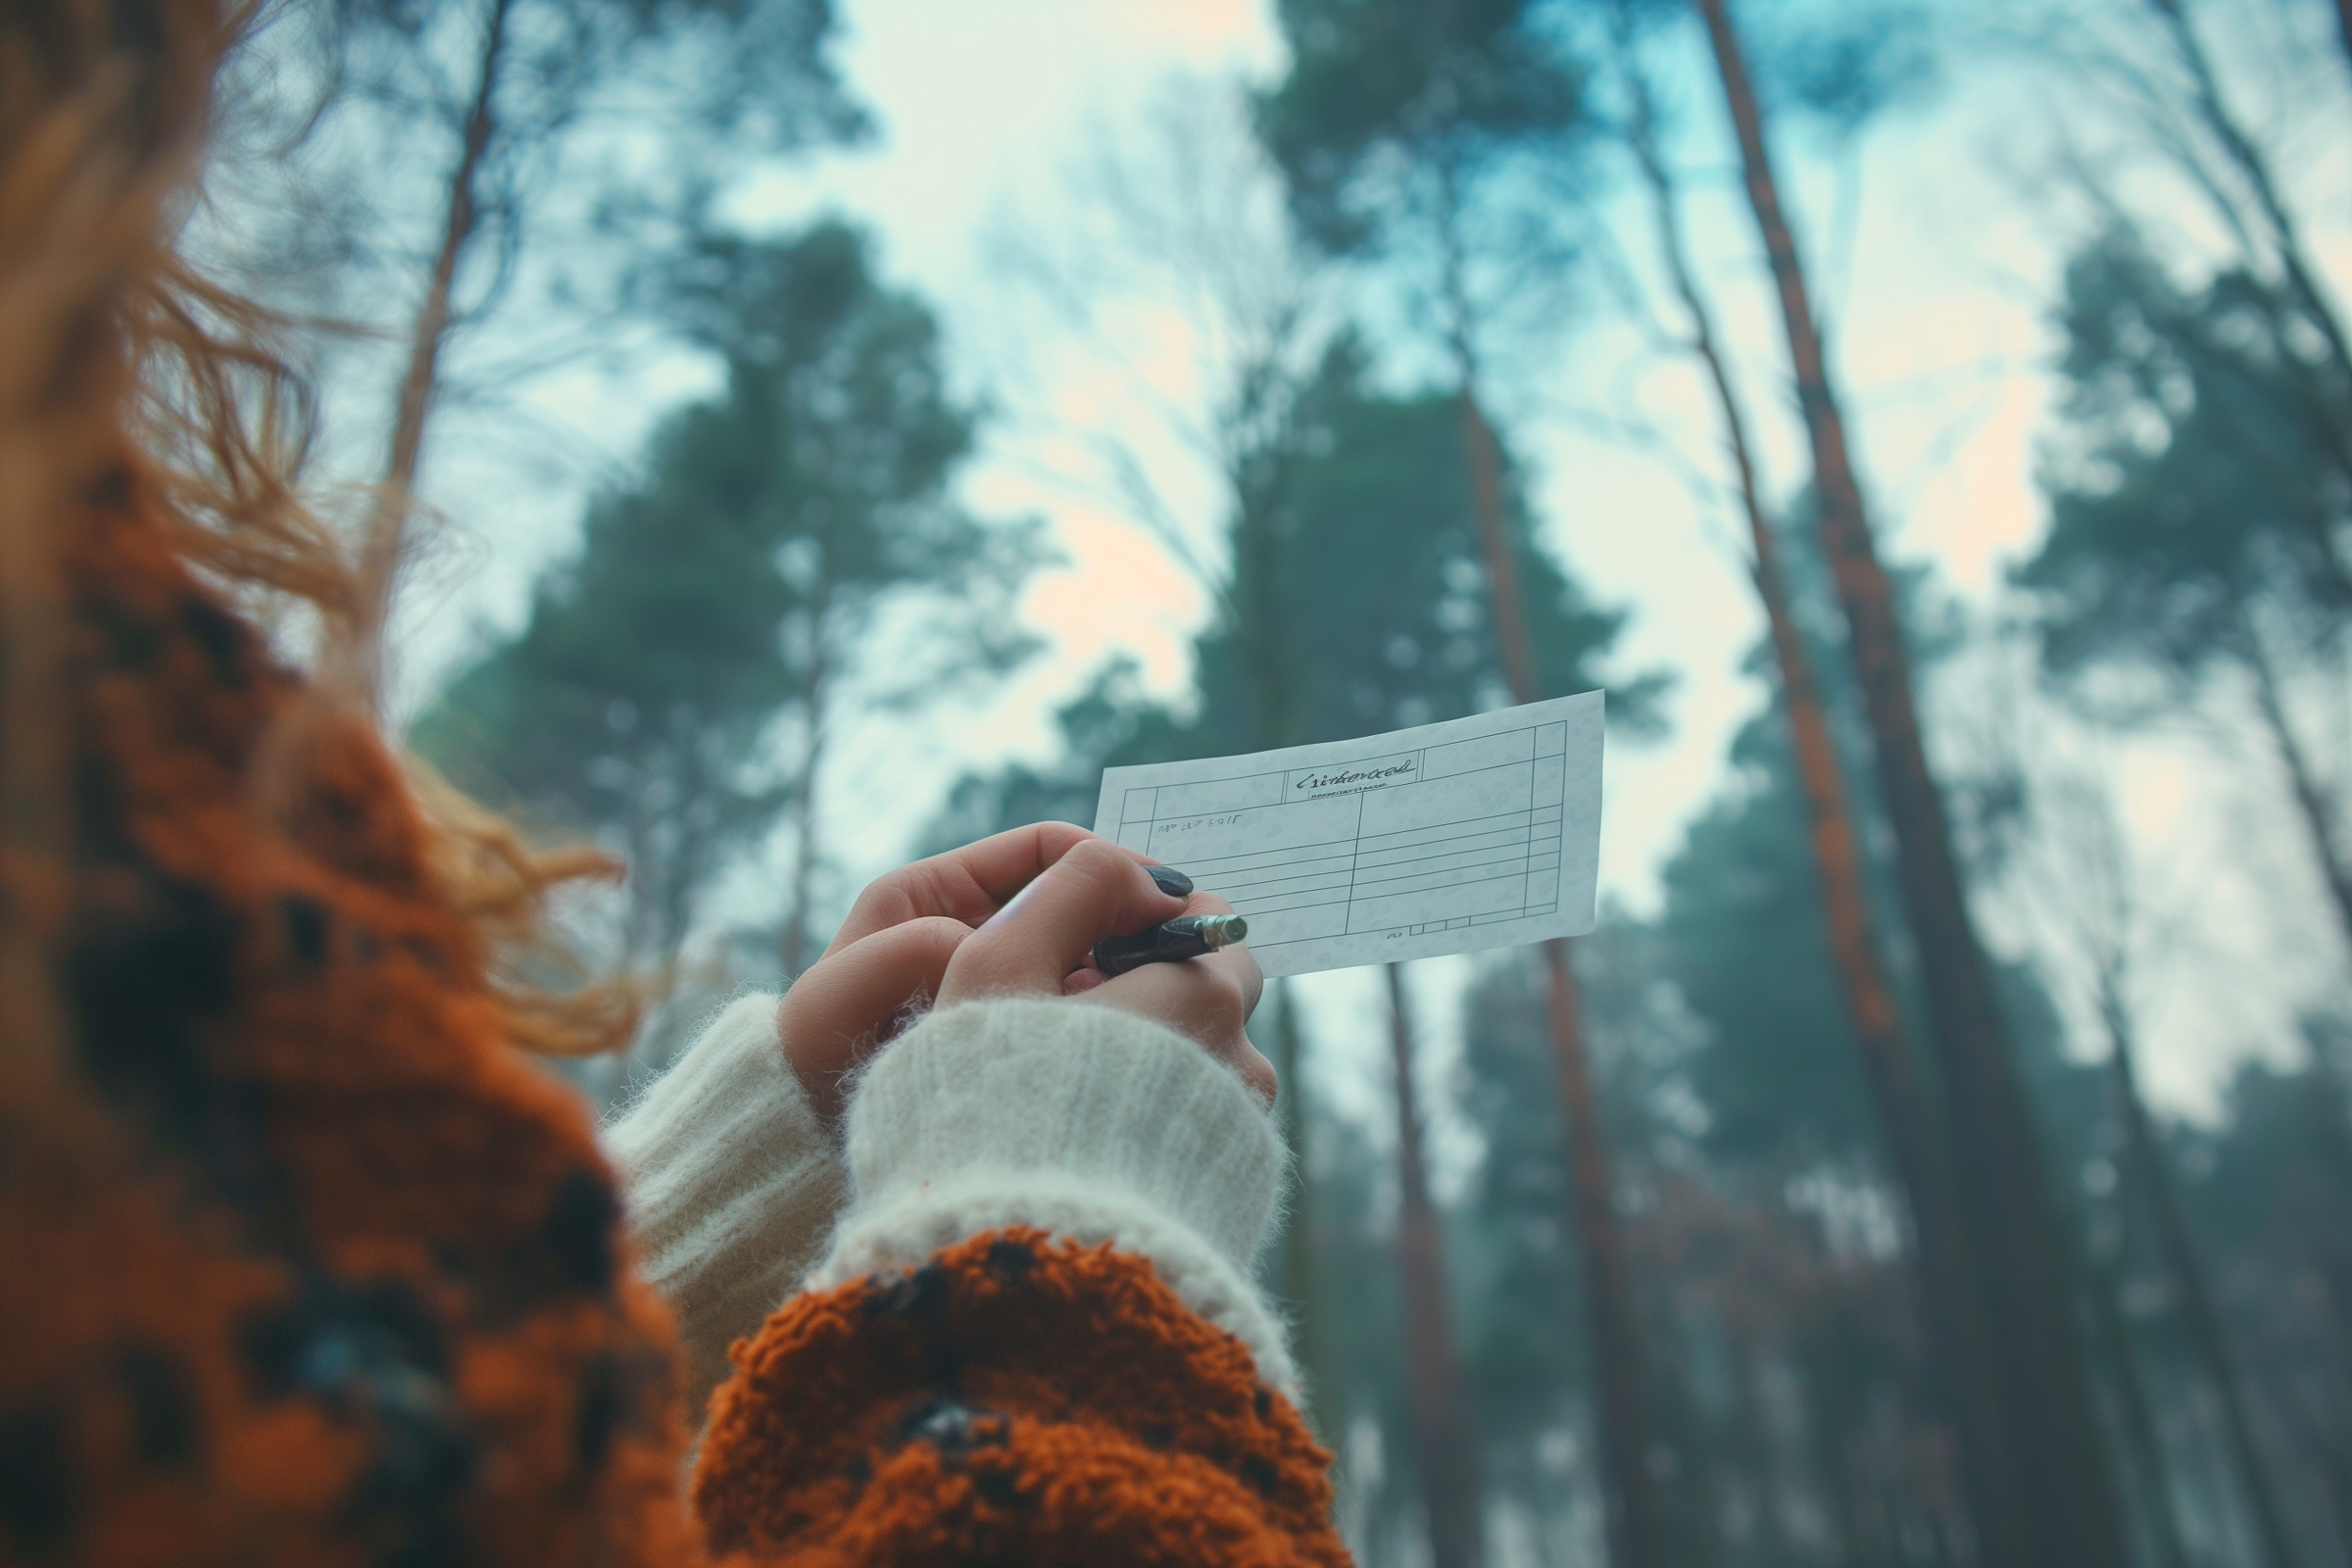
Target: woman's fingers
1209, 999
1042, 896
1045, 931
970, 884
849, 1000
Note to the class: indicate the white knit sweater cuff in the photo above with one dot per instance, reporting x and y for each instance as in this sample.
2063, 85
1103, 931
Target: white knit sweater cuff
1087, 1122
732, 1183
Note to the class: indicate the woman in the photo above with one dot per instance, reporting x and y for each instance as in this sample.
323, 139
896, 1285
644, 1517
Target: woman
306, 1262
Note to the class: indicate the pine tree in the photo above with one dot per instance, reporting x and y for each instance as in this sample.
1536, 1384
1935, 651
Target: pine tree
2196, 518
734, 586
2068, 1513
1402, 126
527, 77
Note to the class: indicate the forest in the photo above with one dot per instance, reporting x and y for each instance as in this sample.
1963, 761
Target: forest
1942, 1153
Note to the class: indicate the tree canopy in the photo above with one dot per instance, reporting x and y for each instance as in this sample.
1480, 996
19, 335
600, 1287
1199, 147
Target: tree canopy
2189, 492
720, 593
1382, 618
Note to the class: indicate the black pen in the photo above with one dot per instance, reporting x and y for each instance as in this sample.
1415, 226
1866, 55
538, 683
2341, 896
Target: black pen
1188, 936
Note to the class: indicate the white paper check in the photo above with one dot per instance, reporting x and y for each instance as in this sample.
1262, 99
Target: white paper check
1480, 832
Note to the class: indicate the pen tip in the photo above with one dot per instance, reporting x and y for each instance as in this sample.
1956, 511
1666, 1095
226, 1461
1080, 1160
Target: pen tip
1223, 930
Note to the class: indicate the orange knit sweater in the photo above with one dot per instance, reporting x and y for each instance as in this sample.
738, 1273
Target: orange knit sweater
347, 1283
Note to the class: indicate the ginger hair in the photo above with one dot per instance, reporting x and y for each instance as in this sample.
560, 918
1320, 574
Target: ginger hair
119, 360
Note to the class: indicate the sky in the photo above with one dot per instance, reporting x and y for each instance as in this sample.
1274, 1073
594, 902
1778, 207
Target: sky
1934, 241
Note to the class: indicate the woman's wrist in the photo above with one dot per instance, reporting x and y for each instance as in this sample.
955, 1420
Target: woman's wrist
1083, 1122
732, 1182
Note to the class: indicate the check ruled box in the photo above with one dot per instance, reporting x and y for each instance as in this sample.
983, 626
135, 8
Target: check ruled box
1474, 833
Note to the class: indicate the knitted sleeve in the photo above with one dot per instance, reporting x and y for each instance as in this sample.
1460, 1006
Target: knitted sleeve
1034, 1337
307, 1266
730, 1182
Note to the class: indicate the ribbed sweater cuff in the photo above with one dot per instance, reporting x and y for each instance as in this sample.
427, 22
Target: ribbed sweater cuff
1080, 1119
732, 1184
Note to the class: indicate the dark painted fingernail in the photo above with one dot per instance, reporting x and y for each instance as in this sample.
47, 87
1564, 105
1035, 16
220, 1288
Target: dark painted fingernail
1174, 883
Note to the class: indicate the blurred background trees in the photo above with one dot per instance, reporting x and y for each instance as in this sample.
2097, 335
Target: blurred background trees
1848, 1198
673, 690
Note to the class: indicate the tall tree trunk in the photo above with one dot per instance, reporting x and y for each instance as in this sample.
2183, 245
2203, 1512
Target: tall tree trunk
1265, 624
380, 550
1444, 1442
1760, 1458
1266, 619
1637, 1525
2188, 1270
2069, 1496
804, 865
1829, 1421
2324, 1453
795, 945
1949, 1284
1297, 1252
2311, 800
684, 865
637, 923
1511, 640
2134, 1417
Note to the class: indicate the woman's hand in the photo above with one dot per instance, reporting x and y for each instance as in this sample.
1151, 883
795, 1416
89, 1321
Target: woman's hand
889, 956
902, 936
1038, 946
